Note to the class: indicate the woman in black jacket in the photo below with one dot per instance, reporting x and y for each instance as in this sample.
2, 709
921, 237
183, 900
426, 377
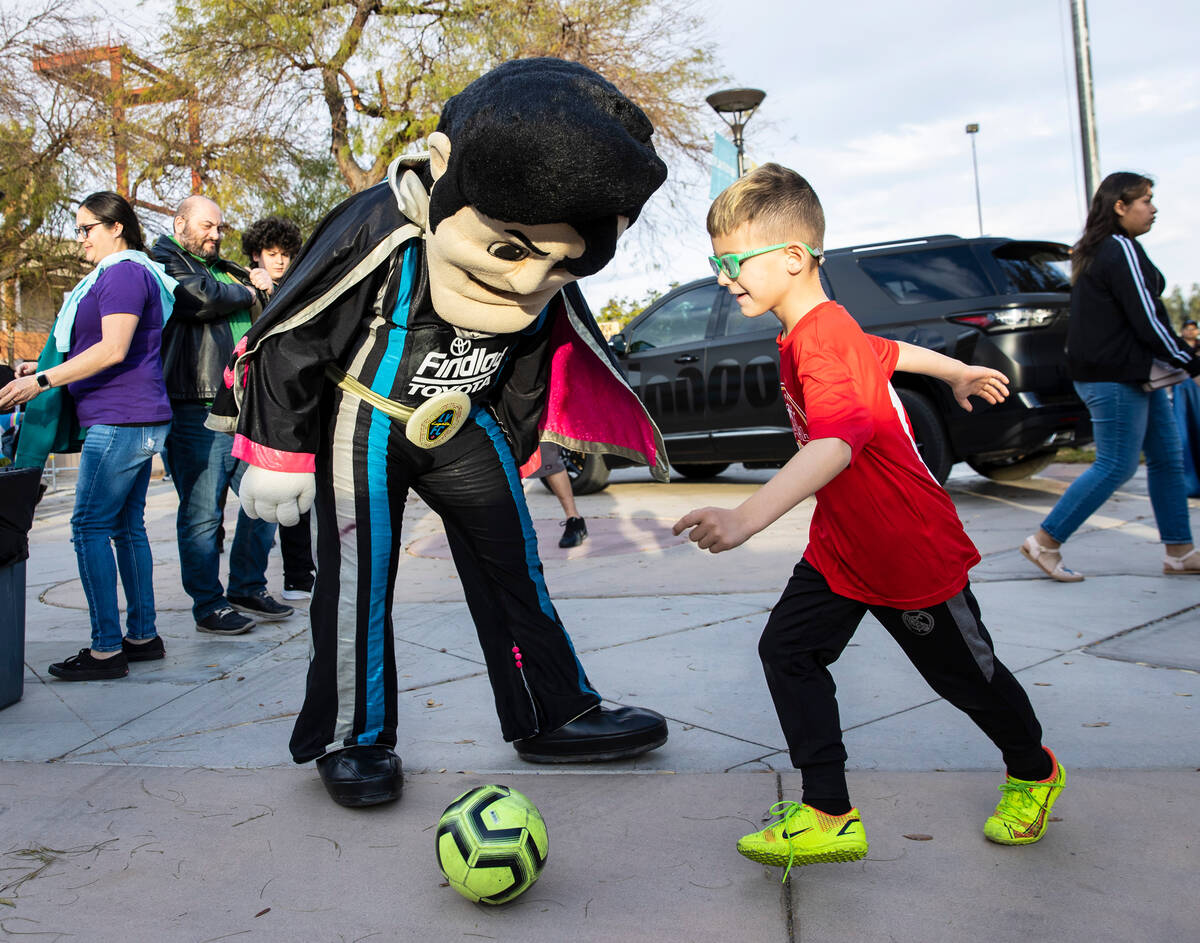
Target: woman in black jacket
1118, 329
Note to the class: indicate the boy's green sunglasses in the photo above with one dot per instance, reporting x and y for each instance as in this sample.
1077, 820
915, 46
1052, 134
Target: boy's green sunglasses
731, 264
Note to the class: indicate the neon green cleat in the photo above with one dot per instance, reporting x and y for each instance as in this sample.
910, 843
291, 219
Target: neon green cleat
1024, 810
804, 835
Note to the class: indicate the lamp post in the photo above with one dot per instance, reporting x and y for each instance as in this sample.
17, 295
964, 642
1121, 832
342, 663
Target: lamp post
972, 130
1087, 106
741, 103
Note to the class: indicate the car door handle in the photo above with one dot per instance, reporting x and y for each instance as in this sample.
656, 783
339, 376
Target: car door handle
686, 358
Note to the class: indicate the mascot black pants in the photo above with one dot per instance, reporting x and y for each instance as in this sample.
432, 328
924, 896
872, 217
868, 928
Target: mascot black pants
364, 474
810, 627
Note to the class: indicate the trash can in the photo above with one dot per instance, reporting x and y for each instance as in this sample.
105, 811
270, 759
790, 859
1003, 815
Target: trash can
19, 492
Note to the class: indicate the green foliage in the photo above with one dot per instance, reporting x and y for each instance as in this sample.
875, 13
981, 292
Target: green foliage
34, 180
304, 194
623, 310
364, 81
358, 81
1181, 307
41, 134
649, 49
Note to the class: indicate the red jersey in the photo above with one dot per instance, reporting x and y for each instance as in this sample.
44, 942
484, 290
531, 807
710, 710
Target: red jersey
884, 532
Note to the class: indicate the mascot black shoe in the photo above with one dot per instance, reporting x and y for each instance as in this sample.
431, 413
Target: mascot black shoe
599, 734
428, 337
361, 776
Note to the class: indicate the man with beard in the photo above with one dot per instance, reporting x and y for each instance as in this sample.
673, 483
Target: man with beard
215, 303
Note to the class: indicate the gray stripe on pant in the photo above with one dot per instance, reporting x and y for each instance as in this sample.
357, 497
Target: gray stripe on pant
968, 625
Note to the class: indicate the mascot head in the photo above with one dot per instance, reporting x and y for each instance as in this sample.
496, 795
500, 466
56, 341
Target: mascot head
538, 167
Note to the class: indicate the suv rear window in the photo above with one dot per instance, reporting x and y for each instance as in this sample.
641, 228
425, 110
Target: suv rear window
1034, 266
910, 278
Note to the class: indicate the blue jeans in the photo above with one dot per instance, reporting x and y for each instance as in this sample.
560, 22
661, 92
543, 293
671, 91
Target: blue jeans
203, 468
1127, 420
1186, 399
110, 510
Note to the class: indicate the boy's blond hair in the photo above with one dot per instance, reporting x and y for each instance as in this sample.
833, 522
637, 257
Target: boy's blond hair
778, 202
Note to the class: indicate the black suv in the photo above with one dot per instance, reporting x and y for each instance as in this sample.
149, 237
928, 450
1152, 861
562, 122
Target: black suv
710, 376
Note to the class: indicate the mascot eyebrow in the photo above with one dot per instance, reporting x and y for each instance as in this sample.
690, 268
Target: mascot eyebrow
526, 241
516, 154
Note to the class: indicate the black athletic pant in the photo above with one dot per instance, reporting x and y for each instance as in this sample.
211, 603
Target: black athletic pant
295, 546
811, 625
363, 477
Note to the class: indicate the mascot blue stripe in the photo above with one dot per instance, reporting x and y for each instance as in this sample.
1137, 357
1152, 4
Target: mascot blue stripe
380, 513
532, 561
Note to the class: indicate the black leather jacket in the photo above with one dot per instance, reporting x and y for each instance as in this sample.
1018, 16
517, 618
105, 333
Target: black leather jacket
197, 340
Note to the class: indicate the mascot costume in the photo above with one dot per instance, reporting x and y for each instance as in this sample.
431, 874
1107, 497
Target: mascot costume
427, 337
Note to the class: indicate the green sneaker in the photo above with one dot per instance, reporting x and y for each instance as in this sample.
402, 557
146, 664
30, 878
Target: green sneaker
804, 835
1024, 809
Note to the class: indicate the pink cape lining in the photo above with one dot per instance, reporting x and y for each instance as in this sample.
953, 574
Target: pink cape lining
586, 403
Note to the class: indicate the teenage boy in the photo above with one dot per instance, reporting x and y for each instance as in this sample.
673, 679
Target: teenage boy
885, 537
270, 244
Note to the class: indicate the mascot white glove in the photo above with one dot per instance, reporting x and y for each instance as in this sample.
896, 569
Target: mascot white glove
277, 496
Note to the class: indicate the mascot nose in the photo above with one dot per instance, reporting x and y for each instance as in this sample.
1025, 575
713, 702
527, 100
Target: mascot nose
535, 274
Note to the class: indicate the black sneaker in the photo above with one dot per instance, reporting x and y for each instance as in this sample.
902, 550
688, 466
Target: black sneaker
224, 622
297, 589
86, 667
146, 651
574, 533
262, 606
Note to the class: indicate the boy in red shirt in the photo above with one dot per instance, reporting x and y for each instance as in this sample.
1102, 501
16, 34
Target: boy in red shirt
885, 536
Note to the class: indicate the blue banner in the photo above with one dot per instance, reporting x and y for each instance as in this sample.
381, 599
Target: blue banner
724, 165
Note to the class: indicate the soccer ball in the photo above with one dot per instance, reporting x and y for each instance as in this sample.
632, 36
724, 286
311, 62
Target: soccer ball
491, 844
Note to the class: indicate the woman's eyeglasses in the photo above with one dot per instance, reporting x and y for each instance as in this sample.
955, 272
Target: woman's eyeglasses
82, 232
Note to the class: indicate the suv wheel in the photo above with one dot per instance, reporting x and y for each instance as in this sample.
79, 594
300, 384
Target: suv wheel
928, 431
696, 470
1014, 469
587, 471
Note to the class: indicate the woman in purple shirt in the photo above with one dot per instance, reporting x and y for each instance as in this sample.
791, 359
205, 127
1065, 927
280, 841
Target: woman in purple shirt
111, 324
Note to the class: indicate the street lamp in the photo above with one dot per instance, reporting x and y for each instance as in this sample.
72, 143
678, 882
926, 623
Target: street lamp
739, 102
972, 130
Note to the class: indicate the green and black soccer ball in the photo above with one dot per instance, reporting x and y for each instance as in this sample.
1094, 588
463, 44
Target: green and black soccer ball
491, 844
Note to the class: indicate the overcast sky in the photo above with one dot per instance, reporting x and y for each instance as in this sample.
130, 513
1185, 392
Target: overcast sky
869, 99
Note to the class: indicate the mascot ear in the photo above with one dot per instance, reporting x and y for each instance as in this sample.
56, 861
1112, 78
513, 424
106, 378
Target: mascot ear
439, 153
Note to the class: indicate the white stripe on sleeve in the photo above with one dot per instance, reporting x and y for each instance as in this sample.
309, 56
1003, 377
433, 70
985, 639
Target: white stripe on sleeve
1139, 281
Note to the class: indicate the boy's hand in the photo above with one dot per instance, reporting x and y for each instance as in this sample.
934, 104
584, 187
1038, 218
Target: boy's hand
714, 529
988, 384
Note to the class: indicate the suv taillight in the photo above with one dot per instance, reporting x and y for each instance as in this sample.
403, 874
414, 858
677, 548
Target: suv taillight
1007, 319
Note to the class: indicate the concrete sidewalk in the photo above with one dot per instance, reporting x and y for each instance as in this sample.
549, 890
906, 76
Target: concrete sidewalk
164, 806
